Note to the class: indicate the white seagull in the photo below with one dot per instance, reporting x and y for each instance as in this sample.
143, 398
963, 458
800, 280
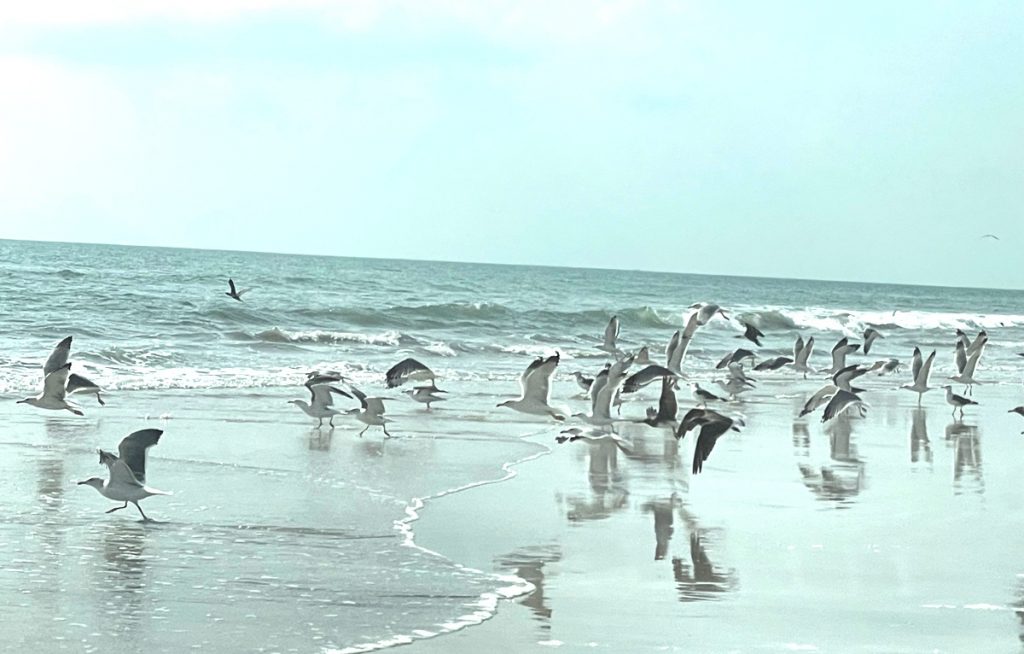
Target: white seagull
55, 382
921, 372
320, 403
843, 401
426, 395
870, 336
801, 354
371, 412
127, 481
536, 389
966, 374
603, 391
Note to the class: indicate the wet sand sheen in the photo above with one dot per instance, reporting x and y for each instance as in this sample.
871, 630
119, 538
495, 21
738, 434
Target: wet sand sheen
899, 532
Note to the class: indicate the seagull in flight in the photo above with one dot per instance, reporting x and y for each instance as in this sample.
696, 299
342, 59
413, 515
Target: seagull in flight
870, 336
127, 482
535, 383
409, 370
712, 425
604, 389
611, 335
56, 378
236, 293
751, 333
801, 353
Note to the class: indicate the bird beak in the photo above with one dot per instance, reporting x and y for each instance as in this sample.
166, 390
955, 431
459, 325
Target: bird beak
20, 402
80, 483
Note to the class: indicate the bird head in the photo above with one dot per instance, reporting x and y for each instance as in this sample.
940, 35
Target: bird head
95, 482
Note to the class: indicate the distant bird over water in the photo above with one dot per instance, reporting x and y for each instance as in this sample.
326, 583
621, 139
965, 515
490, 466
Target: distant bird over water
236, 293
127, 471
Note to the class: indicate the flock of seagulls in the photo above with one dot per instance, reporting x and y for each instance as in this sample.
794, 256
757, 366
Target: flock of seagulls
604, 389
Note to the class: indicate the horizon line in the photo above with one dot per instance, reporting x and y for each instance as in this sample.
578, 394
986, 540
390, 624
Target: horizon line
516, 265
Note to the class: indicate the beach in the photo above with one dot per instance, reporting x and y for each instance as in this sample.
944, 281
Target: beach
473, 529
877, 534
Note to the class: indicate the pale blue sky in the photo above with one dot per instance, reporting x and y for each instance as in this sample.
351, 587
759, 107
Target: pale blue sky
864, 141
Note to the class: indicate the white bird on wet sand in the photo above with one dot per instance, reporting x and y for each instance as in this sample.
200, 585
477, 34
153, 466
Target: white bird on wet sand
702, 396
320, 403
965, 375
409, 370
921, 372
426, 395
127, 482
957, 401
371, 412
801, 354
236, 294
535, 383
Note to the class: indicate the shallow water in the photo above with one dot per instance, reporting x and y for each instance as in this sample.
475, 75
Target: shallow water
897, 532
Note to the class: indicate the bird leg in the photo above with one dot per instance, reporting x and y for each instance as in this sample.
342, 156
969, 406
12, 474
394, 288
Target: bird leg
100, 400
145, 517
385, 428
320, 424
364, 431
330, 422
117, 508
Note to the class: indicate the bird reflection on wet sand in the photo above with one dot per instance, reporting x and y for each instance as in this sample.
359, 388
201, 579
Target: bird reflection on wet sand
701, 579
610, 493
920, 447
528, 563
965, 440
838, 479
664, 517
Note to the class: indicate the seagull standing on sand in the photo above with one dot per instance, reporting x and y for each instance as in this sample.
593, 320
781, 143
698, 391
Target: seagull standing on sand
321, 403
535, 383
236, 294
127, 481
426, 395
371, 412
957, 401
921, 372
55, 381
703, 397
583, 381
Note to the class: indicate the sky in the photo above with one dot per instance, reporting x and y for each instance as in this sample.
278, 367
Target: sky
869, 141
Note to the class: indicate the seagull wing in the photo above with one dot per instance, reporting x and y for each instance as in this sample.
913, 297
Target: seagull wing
122, 475
916, 363
611, 332
972, 363
922, 377
798, 347
668, 406
361, 396
840, 402
58, 357
405, 370
79, 383
231, 285
132, 451
537, 381
961, 357
321, 395
673, 343
638, 380
706, 440
375, 406
55, 383
822, 395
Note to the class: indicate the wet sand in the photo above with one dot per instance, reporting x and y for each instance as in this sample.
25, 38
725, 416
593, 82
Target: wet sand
900, 532
897, 533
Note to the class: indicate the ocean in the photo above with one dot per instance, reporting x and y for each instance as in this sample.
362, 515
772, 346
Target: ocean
280, 537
